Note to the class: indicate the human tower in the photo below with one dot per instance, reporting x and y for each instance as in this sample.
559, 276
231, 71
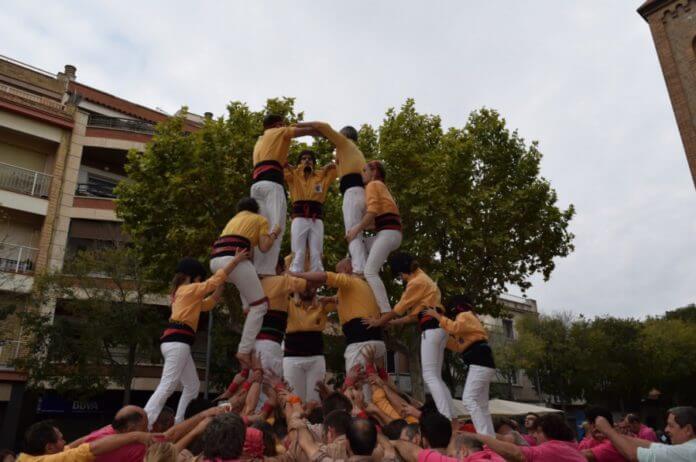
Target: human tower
284, 316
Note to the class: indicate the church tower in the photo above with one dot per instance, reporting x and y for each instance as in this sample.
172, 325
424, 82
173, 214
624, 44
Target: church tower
673, 27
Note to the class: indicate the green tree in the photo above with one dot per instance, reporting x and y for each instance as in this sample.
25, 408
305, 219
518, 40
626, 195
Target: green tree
474, 207
101, 330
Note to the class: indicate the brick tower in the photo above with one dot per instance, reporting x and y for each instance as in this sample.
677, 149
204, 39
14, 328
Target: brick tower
673, 27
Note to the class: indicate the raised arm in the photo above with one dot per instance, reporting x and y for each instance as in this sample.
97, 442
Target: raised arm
266, 240
324, 130
316, 276
507, 451
627, 446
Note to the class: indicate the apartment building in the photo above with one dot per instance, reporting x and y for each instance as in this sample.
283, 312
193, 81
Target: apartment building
63, 147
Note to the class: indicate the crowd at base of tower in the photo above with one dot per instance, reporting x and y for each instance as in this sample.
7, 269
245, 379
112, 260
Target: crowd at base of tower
365, 420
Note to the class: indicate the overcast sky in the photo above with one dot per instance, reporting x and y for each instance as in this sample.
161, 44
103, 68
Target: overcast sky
581, 77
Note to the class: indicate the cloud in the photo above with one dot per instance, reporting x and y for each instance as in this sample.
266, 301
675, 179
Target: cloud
584, 80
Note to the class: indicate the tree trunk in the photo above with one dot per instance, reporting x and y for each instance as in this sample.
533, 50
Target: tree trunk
130, 370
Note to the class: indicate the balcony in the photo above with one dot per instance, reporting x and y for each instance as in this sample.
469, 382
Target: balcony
17, 258
126, 125
24, 181
96, 189
31, 97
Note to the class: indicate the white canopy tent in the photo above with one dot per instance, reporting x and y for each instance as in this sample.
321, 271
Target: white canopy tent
503, 408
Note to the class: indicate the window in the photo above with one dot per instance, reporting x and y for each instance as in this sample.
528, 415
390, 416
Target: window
508, 328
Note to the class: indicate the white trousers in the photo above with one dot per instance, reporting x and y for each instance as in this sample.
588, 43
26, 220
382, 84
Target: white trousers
273, 206
353, 211
245, 279
475, 398
352, 354
352, 357
379, 247
302, 373
433, 343
306, 234
271, 355
178, 368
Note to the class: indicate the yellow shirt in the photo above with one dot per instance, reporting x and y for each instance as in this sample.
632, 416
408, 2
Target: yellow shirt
81, 453
463, 331
191, 299
311, 318
349, 158
278, 289
421, 292
313, 188
274, 145
249, 225
379, 200
355, 297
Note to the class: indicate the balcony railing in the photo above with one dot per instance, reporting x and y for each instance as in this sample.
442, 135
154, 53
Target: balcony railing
17, 258
10, 350
115, 123
95, 190
38, 99
24, 181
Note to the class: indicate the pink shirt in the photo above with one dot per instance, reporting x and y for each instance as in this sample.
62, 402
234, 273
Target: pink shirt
484, 455
588, 443
430, 455
647, 433
129, 453
553, 451
606, 452
530, 440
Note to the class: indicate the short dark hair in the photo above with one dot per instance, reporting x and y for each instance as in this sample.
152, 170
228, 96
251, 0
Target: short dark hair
350, 132
402, 262
122, 423
392, 430
38, 436
555, 427
379, 167
310, 153
362, 437
593, 412
224, 437
248, 204
469, 442
684, 415
500, 422
462, 303
412, 430
270, 120
269, 445
436, 428
339, 420
337, 401
632, 418
316, 416
196, 406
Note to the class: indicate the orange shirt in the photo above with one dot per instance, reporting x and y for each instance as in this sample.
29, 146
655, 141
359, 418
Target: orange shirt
246, 224
274, 144
463, 331
379, 200
279, 288
307, 318
349, 158
421, 292
313, 188
191, 299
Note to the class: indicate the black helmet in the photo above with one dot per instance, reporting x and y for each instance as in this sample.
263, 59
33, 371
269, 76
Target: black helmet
192, 268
